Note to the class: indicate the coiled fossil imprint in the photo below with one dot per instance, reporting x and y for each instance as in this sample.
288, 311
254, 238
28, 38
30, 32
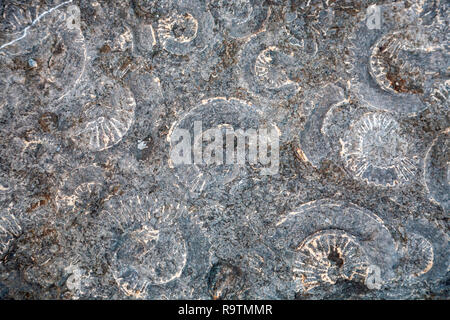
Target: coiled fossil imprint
240, 18
400, 67
44, 46
329, 255
374, 151
148, 247
106, 115
330, 240
186, 29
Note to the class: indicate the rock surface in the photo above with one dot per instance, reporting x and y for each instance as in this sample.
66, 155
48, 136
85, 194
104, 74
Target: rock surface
92, 94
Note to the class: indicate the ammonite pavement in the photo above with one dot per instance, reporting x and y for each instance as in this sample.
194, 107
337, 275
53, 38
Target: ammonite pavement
224, 149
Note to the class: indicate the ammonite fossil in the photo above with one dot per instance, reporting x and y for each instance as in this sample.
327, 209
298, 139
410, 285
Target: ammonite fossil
328, 256
372, 146
240, 18
232, 125
142, 260
376, 152
423, 251
330, 240
147, 247
418, 255
82, 191
45, 48
399, 67
105, 115
186, 29
269, 67
437, 170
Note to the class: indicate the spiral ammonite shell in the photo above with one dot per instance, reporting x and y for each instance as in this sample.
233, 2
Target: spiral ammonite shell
148, 248
423, 249
329, 255
266, 70
50, 50
186, 29
328, 240
106, 115
397, 68
418, 255
170, 28
81, 190
371, 146
375, 151
269, 67
240, 18
396, 59
138, 262
233, 118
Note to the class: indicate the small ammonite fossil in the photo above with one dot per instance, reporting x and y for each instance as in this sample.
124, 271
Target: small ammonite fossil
106, 115
147, 247
374, 151
437, 170
387, 74
146, 257
327, 256
418, 255
179, 27
423, 250
82, 191
45, 49
240, 18
397, 58
270, 68
185, 30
